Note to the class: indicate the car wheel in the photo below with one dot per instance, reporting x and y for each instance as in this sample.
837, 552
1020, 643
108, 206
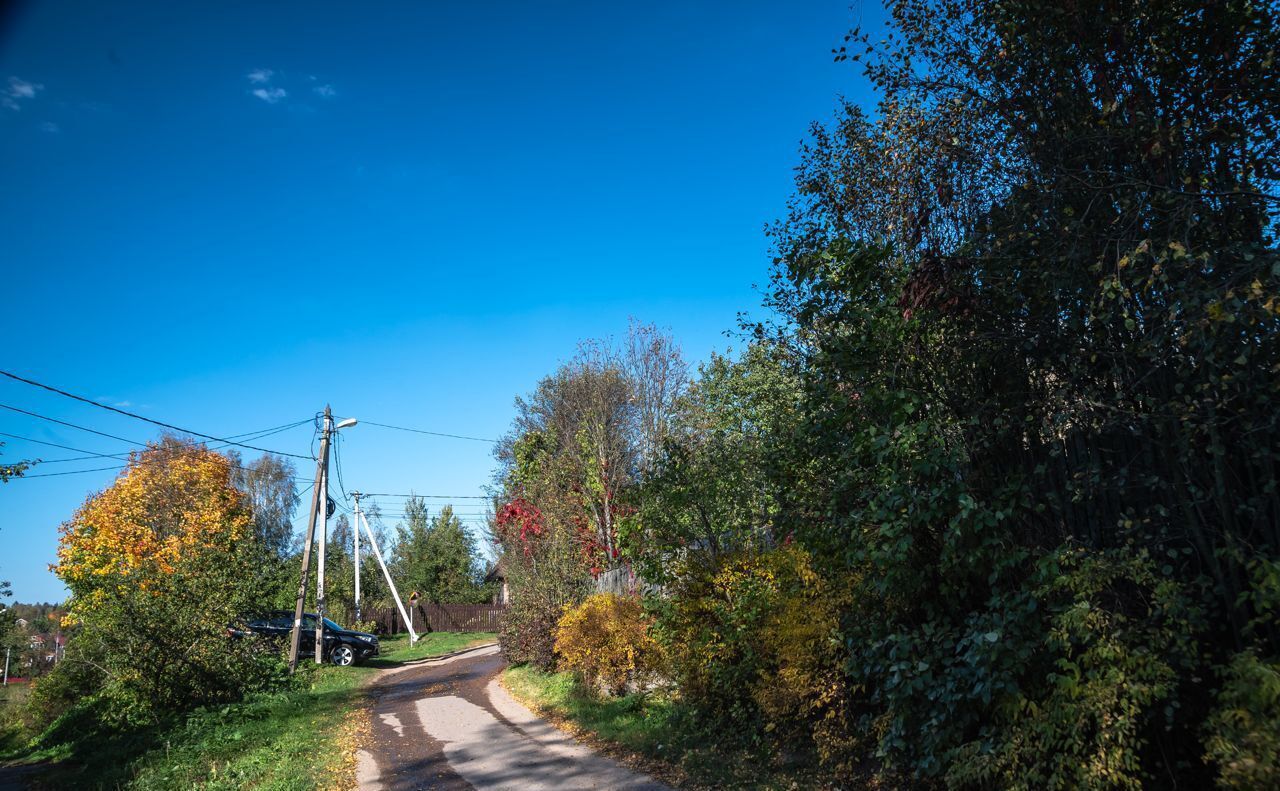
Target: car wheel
342, 655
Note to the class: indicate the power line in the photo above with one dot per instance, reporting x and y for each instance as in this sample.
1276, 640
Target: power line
429, 496
91, 455
170, 426
123, 454
423, 431
71, 425
337, 464
68, 472
122, 457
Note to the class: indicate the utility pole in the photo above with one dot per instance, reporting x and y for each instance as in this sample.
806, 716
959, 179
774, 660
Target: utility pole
377, 553
316, 503
324, 542
355, 546
7, 649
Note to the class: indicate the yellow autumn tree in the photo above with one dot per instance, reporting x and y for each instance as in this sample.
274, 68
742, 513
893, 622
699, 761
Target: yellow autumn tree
159, 564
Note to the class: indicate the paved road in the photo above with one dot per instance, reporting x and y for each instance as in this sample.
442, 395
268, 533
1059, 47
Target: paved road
449, 725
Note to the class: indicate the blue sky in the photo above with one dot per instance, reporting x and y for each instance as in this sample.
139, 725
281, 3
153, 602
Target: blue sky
226, 215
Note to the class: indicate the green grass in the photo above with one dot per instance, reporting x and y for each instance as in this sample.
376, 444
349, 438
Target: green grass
396, 648
302, 738
655, 727
639, 723
11, 698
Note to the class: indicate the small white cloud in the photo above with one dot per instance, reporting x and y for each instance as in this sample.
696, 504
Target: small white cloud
50, 127
270, 95
260, 76
18, 90
325, 91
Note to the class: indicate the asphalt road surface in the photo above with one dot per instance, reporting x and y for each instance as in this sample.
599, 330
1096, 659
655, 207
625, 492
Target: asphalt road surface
449, 725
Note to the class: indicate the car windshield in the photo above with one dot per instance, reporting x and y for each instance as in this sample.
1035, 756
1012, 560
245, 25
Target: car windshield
328, 624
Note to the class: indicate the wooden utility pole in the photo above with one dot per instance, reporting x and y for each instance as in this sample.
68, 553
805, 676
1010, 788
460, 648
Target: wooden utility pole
319, 500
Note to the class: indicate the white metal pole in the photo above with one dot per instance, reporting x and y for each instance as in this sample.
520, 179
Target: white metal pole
6, 664
377, 553
355, 546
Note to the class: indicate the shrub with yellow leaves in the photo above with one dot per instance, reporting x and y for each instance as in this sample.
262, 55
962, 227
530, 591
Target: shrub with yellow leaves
606, 640
754, 650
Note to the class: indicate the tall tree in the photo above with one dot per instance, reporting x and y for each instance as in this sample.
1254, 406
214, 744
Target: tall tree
159, 564
14, 470
581, 438
270, 486
1033, 295
437, 557
7, 619
716, 488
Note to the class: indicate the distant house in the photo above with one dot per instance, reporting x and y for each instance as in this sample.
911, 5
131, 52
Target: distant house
48, 646
497, 574
22, 623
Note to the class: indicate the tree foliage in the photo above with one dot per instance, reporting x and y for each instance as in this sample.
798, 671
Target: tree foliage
578, 446
268, 484
1016, 405
159, 565
437, 557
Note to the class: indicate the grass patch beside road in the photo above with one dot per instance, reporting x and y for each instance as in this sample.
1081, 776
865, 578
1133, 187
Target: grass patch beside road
638, 723
296, 739
656, 734
396, 648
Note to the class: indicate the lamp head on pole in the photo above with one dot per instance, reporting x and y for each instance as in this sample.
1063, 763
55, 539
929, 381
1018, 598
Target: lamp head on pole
346, 423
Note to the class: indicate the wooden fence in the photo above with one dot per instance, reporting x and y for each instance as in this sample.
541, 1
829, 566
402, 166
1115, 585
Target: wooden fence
429, 617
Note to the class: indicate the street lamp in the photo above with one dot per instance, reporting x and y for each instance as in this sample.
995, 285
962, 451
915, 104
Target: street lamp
319, 509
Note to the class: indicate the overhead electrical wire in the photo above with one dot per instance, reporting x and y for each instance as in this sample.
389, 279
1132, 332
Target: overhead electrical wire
430, 433
123, 455
70, 425
126, 413
91, 455
337, 464
429, 496
68, 472
120, 456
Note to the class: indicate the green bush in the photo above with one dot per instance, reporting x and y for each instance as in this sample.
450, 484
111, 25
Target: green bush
753, 649
1244, 730
1111, 681
71, 682
527, 634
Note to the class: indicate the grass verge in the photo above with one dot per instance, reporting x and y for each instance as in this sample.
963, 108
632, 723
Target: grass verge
396, 648
301, 738
653, 733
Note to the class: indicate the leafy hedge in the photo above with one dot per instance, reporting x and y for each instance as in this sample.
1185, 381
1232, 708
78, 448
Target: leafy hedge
606, 640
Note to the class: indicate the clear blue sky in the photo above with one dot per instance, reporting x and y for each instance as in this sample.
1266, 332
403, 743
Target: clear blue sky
228, 214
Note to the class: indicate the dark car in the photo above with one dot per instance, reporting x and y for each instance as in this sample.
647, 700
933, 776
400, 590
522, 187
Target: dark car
341, 646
